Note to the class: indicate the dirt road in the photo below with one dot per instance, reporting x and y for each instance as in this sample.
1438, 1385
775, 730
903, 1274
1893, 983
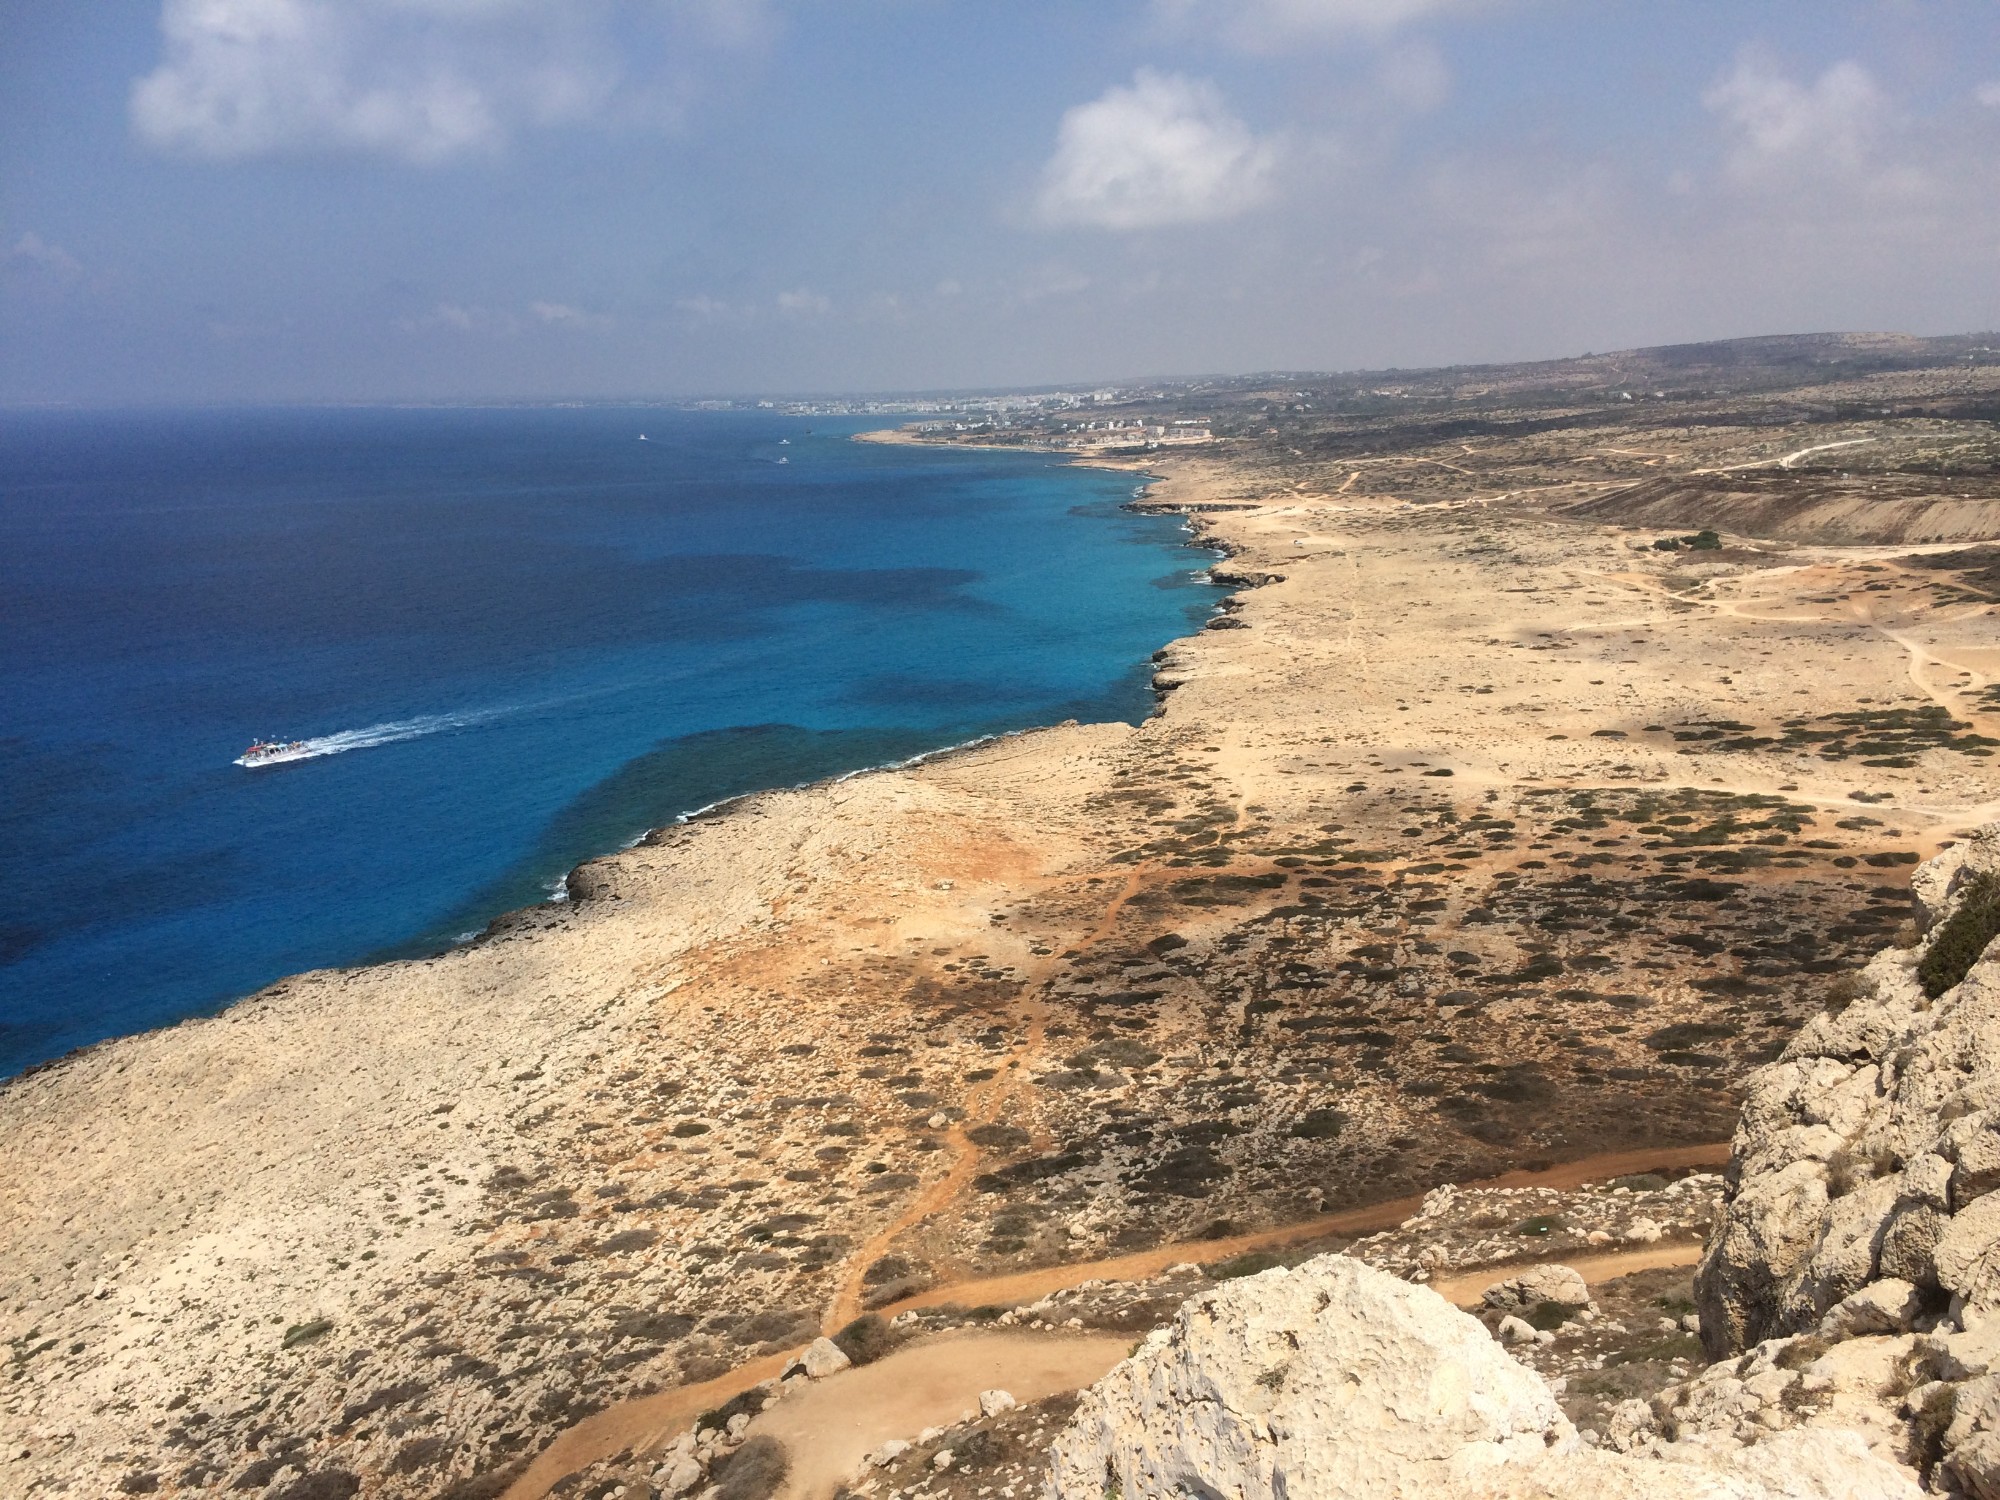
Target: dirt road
651, 1421
830, 1428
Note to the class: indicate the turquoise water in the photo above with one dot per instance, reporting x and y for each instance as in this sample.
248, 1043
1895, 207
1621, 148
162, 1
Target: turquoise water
513, 639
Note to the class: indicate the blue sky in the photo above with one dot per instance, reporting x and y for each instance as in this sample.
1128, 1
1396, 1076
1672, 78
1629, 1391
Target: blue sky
362, 199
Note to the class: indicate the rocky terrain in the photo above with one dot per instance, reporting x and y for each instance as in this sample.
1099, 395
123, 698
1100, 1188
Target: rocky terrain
1492, 828
1846, 1298
1335, 1379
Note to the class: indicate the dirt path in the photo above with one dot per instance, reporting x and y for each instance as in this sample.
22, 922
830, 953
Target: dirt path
649, 1421
1026, 1286
1785, 461
1465, 1291
829, 1428
638, 1425
1922, 656
983, 1107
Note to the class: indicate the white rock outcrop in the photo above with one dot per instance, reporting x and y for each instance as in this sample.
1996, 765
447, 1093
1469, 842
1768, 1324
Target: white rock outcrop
1867, 1153
1335, 1380
823, 1357
1536, 1285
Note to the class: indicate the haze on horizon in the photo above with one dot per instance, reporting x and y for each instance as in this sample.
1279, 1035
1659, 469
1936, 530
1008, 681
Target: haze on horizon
437, 199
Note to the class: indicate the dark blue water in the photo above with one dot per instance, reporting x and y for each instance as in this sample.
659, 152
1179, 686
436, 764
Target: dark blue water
534, 635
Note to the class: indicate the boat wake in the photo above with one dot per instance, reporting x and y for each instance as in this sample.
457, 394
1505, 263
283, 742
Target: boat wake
264, 754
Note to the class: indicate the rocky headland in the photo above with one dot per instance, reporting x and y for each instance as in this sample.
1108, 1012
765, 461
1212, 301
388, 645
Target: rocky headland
1498, 840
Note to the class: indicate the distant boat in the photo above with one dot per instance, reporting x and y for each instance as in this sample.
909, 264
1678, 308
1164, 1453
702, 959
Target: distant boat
642, 437
271, 752
784, 460
784, 442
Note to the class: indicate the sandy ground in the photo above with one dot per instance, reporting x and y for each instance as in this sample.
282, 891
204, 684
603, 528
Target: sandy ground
832, 1427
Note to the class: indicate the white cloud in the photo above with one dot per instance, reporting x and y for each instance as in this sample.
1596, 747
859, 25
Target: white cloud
804, 304
1266, 23
502, 322
1988, 94
1165, 150
706, 309
1054, 279
37, 271
562, 315
457, 317
31, 251
1782, 125
1415, 76
421, 80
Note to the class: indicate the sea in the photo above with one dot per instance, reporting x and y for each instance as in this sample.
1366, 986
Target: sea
510, 639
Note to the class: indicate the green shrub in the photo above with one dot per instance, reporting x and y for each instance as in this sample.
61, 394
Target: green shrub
305, 1333
1956, 945
1548, 1316
1801, 1352
755, 1471
866, 1339
1319, 1125
1247, 1264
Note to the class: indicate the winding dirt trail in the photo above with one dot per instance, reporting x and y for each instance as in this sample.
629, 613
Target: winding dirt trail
983, 1107
1026, 1286
649, 1422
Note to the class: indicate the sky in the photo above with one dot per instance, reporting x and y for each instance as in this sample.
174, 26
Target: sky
355, 200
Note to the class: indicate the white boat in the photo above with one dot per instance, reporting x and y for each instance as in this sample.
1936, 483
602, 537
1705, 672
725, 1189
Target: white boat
273, 752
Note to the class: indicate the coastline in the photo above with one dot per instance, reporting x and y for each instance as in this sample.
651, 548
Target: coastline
469, 913
588, 1113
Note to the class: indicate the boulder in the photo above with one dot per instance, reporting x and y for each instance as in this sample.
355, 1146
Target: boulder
1976, 1170
1964, 1254
1513, 1330
823, 1357
1333, 1379
992, 1403
1972, 1442
677, 1478
1885, 1306
1909, 1244
1551, 1283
